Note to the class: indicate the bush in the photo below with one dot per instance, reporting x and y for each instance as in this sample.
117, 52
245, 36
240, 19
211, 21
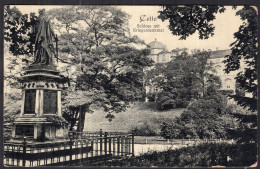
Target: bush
202, 119
151, 97
146, 129
172, 99
204, 155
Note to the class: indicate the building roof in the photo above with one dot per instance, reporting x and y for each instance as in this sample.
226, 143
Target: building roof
220, 53
156, 45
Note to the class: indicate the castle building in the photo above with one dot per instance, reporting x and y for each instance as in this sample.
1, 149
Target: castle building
160, 54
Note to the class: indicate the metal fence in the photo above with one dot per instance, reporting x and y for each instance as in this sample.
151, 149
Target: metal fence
82, 147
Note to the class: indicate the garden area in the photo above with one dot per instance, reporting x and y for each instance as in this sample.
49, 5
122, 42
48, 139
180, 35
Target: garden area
204, 155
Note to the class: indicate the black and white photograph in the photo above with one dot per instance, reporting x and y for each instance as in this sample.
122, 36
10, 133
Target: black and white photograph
130, 85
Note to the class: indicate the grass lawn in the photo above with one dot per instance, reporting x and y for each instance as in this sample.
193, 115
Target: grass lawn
123, 122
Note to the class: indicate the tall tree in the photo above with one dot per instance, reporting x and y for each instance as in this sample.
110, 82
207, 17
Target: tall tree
182, 79
108, 68
186, 20
99, 55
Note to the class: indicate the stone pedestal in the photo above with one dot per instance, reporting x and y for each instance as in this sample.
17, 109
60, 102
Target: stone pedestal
41, 117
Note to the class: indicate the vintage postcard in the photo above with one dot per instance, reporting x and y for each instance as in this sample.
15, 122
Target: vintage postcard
130, 85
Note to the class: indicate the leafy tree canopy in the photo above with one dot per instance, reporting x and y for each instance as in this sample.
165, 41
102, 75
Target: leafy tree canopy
184, 78
207, 117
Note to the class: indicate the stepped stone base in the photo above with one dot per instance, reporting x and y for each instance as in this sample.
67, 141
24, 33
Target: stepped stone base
40, 128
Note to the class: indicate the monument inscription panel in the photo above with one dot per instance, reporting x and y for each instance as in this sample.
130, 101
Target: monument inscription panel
30, 96
26, 130
50, 99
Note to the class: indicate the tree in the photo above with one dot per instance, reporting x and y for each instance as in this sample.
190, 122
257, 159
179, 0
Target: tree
17, 31
186, 20
108, 66
207, 117
245, 48
100, 58
182, 79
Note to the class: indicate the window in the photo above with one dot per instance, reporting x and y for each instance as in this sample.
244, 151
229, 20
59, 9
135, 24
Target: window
29, 105
228, 83
163, 58
218, 69
50, 102
158, 59
26, 130
152, 51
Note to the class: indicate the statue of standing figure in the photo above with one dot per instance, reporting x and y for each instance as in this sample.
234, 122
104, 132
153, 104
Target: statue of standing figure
44, 44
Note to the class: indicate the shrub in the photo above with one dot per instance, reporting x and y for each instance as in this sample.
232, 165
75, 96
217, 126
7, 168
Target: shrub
204, 155
202, 119
146, 129
171, 100
151, 97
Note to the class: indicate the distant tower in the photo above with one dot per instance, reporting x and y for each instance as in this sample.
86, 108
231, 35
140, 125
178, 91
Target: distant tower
159, 54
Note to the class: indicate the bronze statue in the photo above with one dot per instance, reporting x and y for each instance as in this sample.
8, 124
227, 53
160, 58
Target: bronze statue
44, 44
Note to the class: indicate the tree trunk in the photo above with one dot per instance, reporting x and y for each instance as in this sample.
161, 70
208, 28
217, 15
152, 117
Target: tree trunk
74, 120
81, 122
72, 124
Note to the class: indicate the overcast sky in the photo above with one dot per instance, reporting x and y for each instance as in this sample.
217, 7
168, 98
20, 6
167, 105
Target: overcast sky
226, 24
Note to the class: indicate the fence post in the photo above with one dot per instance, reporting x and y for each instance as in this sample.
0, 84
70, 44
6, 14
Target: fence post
109, 145
114, 145
92, 146
122, 145
100, 133
129, 144
24, 150
133, 143
118, 145
71, 143
96, 151
126, 145
105, 142
101, 143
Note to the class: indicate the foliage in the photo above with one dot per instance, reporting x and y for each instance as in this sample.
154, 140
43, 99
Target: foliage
17, 31
204, 118
107, 66
186, 20
226, 92
151, 96
245, 49
204, 155
184, 78
147, 128
12, 108
246, 130
57, 120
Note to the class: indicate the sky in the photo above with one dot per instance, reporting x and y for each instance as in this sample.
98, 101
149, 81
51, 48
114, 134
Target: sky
225, 25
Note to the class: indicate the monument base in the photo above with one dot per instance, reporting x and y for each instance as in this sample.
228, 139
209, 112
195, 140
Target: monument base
42, 128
